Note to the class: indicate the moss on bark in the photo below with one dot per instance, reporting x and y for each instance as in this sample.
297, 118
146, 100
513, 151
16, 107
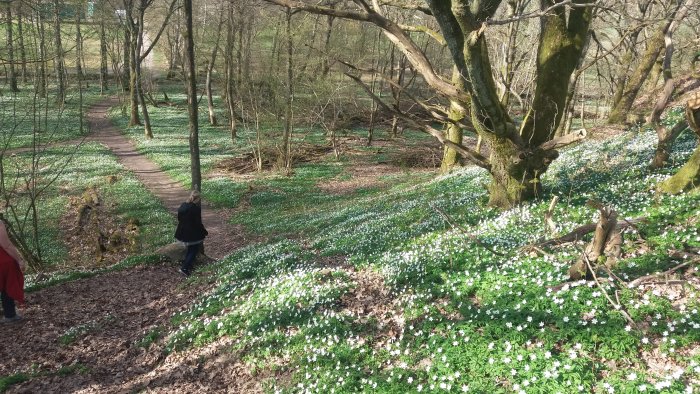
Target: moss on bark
687, 178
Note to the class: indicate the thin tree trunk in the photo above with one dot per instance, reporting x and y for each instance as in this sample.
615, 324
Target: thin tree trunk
133, 64
289, 96
513, 28
192, 98
624, 63
230, 72
103, 55
210, 69
59, 62
326, 64
454, 133
147, 131
10, 49
41, 32
126, 69
78, 43
666, 136
22, 49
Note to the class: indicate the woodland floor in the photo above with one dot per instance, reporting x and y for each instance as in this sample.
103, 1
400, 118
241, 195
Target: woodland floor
84, 336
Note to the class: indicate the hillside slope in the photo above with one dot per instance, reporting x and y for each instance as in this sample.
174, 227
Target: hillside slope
383, 294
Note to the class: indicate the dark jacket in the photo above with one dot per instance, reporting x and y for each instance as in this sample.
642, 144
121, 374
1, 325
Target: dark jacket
189, 223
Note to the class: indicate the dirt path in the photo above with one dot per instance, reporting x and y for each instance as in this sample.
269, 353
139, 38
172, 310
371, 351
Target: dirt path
222, 238
86, 336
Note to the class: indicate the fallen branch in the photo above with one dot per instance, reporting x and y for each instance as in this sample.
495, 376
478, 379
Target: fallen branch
642, 279
456, 225
579, 232
565, 140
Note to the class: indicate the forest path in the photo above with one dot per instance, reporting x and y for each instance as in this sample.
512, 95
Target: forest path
87, 335
222, 239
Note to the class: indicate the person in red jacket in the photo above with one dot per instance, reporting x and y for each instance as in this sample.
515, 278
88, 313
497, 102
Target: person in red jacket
12, 266
190, 230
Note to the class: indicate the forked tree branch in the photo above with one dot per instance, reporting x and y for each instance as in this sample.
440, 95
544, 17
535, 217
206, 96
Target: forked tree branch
468, 153
398, 36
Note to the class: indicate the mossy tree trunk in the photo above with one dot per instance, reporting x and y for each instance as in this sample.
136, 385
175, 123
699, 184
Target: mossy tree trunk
453, 131
688, 177
520, 153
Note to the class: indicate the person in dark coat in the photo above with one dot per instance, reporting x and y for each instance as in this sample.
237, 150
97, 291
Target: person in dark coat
190, 230
12, 268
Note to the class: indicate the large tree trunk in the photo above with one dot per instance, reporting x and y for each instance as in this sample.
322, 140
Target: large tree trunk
515, 179
192, 98
519, 155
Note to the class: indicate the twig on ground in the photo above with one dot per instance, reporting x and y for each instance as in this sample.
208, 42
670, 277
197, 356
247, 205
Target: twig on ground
618, 307
548, 216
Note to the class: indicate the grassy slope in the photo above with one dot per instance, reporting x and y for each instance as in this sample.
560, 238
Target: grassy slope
18, 111
457, 316
89, 165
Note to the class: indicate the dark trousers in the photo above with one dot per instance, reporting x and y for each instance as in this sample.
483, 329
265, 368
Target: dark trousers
190, 255
8, 306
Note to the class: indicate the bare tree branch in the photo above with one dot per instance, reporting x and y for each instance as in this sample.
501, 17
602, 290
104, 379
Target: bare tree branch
394, 32
469, 154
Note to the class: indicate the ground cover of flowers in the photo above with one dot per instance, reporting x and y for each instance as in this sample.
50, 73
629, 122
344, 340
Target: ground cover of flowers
385, 296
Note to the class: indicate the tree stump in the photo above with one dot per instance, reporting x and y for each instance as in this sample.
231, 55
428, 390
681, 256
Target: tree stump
605, 248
